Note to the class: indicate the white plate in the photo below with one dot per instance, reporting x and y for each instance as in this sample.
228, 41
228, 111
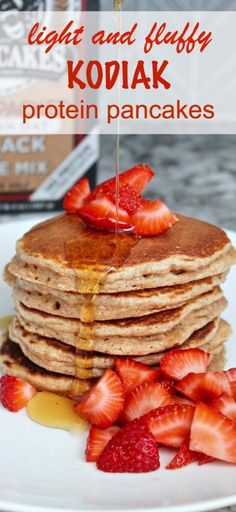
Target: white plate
42, 469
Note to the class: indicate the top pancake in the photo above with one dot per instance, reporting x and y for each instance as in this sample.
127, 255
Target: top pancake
65, 254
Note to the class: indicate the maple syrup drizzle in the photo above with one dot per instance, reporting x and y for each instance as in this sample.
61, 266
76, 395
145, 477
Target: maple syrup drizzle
111, 254
118, 8
118, 5
5, 322
88, 286
52, 410
93, 277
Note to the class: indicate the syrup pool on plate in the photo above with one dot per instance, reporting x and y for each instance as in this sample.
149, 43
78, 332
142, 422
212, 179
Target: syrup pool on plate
5, 322
55, 411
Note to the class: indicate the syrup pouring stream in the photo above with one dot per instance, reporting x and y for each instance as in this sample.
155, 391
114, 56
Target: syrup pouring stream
118, 7
94, 278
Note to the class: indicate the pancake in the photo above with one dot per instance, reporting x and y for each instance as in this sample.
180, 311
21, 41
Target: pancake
58, 357
209, 337
83, 297
94, 281
13, 362
157, 343
215, 345
163, 321
218, 362
123, 345
65, 254
109, 306
86, 360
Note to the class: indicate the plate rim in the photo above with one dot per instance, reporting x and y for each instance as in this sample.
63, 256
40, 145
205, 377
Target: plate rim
200, 506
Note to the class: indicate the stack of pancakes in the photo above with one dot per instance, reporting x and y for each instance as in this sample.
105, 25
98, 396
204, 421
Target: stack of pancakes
83, 297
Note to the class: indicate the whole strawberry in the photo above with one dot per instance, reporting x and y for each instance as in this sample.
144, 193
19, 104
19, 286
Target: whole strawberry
132, 450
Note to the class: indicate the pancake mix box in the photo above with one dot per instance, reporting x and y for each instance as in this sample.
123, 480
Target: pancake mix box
36, 171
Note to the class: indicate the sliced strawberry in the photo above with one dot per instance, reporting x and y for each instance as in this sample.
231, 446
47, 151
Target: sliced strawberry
99, 208
168, 384
178, 363
15, 393
183, 457
128, 199
132, 450
101, 214
204, 459
190, 385
117, 204
204, 387
170, 425
233, 389
231, 376
226, 405
75, 198
103, 404
215, 384
213, 434
184, 400
138, 178
133, 373
97, 440
130, 185
153, 218
143, 399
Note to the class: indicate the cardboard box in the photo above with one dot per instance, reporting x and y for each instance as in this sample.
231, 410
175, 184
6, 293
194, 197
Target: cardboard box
36, 171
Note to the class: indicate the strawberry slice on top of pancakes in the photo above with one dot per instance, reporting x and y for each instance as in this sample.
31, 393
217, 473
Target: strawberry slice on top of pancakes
117, 205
